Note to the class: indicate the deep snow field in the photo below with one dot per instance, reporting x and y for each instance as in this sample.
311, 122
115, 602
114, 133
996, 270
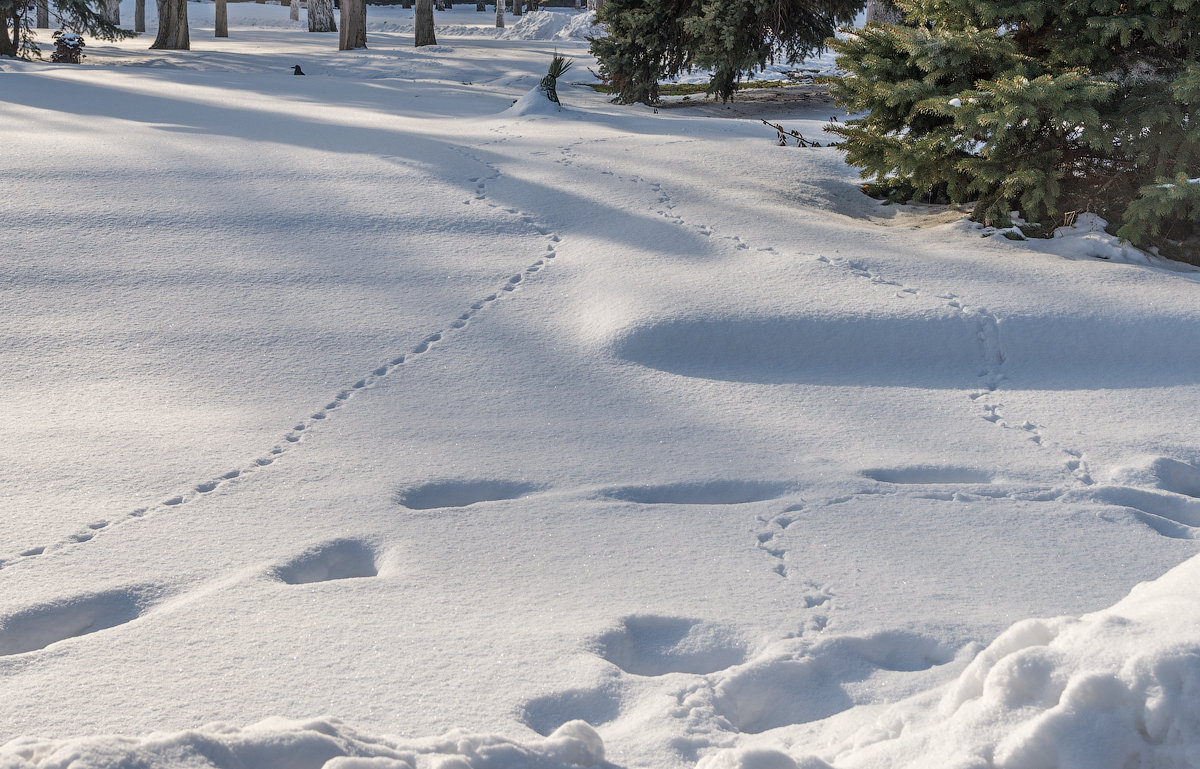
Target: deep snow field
361, 420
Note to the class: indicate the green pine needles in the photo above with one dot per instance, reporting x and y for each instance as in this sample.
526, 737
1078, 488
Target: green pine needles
1046, 109
558, 67
653, 40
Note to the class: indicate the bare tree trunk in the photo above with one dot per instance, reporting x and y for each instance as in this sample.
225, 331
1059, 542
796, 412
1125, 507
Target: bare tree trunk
516, 7
439, 5
139, 16
10, 19
172, 26
112, 11
354, 25
423, 35
294, 10
320, 16
43, 14
222, 19
480, 6
500, 13
883, 12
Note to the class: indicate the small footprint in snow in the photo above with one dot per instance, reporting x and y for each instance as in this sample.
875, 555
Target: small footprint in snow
653, 645
339, 559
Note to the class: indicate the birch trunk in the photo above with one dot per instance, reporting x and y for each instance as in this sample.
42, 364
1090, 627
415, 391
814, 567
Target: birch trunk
294, 10
172, 26
222, 19
354, 25
500, 13
320, 16
423, 34
112, 12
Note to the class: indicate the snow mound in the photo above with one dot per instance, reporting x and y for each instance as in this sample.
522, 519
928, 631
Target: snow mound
1085, 238
534, 102
316, 744
554, 25
1113, 689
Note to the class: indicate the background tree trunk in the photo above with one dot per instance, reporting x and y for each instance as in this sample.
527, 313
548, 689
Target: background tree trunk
222, 19
516, 7
354, 25
112, 12
139, 16
43, 14
9, 20
884, 12
480, 6
172, 26
424, 20
294, 10
500, 13
320, 16
439, 5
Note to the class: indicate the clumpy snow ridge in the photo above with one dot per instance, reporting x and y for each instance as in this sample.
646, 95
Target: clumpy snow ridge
392, 418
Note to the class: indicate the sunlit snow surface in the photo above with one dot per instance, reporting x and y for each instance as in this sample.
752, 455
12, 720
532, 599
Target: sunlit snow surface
363, 419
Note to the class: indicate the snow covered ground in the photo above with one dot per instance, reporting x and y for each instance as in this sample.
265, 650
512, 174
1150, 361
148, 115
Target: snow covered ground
361, 420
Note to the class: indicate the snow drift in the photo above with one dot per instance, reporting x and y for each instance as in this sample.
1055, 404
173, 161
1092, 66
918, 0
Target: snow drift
1114, 689
316, 744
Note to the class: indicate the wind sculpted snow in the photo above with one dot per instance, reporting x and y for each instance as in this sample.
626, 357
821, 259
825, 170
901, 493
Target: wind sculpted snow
357, 420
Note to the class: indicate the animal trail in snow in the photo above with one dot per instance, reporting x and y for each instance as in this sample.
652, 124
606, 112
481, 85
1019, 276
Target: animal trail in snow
296, 435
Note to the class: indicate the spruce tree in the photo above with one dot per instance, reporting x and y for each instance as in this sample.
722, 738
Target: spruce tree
652, 40
17, 36
1048, 109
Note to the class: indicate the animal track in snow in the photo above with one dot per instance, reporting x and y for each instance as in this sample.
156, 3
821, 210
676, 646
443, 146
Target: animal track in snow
922, 474
652, 645
596, 706
810, 685
298, 433
339, 559
459, 493
39, 626
703, 493
991, 373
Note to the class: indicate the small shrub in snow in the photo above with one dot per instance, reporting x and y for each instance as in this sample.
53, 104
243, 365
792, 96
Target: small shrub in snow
68, 48
549, 84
